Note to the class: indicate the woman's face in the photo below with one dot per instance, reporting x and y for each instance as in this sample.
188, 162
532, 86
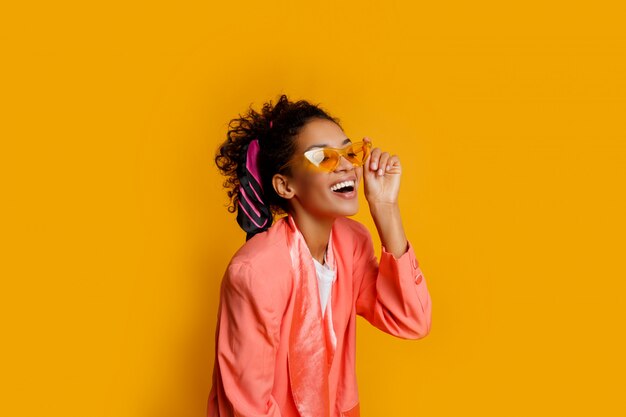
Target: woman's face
312, 188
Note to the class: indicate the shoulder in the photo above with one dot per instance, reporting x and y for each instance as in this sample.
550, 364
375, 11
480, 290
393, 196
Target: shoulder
351, 237
354, 229
265, 248
261, 266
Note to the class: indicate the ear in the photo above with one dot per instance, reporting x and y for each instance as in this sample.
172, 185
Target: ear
283, 185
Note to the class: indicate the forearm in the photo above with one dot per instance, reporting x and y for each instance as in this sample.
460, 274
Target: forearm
389, 225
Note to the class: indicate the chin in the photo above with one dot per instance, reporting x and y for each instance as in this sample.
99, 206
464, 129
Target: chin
352, 212
342, 206
346, 210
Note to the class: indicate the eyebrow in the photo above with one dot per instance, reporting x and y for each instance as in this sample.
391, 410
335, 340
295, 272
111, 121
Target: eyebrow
323, 145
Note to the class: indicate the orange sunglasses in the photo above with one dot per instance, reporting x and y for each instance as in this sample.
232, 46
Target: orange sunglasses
328, 159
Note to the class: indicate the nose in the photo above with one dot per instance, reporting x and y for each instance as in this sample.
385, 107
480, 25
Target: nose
344, 164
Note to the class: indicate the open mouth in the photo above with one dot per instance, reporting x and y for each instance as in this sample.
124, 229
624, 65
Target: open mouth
343, 187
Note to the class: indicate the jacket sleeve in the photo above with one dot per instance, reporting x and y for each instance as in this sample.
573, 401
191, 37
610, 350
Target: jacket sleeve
246, 345
392, 295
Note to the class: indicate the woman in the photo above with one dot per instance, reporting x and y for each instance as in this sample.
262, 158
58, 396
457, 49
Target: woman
286, 329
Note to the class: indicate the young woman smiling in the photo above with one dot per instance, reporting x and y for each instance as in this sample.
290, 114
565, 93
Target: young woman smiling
286, 323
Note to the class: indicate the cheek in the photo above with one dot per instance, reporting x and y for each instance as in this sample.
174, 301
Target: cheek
315, 185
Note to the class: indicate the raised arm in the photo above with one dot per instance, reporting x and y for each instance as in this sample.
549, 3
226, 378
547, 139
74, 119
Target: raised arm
393, 295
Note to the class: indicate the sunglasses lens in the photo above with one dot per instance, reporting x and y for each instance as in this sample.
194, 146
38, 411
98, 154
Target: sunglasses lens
328, 158
356, 154
331, 158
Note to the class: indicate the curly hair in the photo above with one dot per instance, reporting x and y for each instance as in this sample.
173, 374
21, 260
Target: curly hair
277, 145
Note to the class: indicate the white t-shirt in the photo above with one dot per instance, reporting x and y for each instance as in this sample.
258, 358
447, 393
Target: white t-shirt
325, 278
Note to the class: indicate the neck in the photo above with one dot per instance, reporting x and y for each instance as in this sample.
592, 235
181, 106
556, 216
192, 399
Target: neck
316, 232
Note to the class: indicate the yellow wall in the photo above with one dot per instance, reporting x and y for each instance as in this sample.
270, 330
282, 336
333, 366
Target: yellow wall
509, 121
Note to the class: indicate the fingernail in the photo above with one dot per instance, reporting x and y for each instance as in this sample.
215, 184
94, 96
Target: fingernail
380, 171
373, 166
388, 167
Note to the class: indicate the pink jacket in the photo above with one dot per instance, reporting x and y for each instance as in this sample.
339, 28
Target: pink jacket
251, 374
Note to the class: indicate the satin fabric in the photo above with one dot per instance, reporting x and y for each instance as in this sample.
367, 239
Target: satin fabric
274, 354
311, 341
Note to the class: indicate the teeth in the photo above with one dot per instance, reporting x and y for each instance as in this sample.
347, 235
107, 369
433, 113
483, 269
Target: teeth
342, 184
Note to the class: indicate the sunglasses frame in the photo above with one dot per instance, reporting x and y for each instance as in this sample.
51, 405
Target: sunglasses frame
308, 155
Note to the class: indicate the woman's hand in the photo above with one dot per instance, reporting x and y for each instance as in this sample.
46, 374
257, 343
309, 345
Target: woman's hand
381, 177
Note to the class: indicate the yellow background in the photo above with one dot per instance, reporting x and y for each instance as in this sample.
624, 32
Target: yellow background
508, 119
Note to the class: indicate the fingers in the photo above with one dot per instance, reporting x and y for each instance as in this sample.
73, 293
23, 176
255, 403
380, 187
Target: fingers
381, 162
374, 158
393, 165
378, 161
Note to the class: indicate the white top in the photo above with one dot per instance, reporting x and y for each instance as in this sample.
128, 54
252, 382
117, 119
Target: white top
325, 278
